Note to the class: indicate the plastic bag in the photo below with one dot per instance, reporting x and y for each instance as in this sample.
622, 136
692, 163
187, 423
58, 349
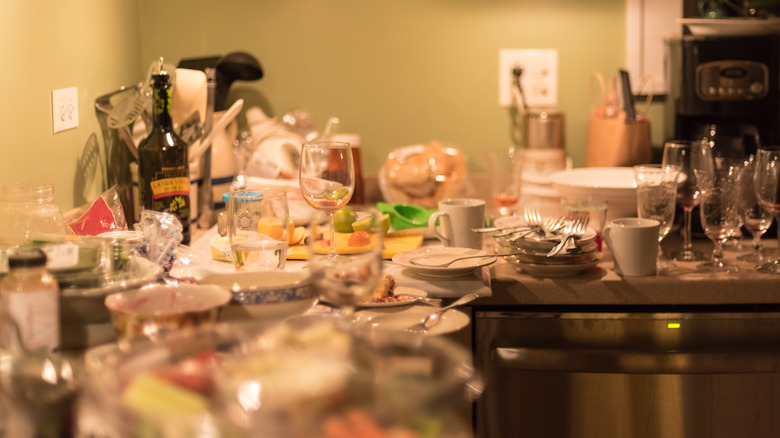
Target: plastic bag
104, 214
161, 233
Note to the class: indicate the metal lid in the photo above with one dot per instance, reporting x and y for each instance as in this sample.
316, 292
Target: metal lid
27, 258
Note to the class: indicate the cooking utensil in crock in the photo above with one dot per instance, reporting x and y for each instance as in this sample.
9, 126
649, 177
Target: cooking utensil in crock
234, 66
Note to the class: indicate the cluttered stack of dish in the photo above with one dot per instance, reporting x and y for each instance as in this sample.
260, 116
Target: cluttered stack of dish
534, 253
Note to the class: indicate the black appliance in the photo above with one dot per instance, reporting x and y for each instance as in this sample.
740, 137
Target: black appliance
728, 86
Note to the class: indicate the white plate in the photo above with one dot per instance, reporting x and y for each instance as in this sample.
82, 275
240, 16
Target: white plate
400, 318
419, 293
555, 270
732, 26
436, 255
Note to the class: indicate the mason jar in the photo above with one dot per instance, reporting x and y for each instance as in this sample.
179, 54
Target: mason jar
28, 212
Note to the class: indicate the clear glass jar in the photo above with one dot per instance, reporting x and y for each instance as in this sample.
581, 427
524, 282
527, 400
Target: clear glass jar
29, 304
26, 212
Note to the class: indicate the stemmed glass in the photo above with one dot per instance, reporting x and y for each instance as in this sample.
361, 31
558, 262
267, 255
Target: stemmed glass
755, 218
656, 192
351, 277
767, 186
678, 153
717, 180
327, 178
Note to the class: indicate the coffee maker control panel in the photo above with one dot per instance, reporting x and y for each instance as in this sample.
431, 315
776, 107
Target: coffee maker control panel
730, 80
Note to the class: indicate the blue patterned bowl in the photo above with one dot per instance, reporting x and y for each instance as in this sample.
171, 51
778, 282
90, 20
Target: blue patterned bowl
264, 295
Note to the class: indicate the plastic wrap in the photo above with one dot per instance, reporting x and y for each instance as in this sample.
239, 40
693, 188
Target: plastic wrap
161, 233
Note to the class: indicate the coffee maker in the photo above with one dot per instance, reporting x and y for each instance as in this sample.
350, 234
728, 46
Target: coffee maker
724, 85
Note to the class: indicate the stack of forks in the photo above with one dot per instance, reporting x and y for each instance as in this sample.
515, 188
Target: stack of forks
538, 240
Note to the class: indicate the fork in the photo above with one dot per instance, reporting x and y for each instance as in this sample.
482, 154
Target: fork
445, 264
434, 318
576, 229
534, 218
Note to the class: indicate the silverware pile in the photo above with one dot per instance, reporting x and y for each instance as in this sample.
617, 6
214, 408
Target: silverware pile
538, 240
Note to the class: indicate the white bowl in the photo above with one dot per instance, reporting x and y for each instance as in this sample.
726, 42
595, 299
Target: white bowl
613, 184
265, 295
160, 307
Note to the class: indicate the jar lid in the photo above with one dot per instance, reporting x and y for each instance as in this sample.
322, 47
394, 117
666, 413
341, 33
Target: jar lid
26, 258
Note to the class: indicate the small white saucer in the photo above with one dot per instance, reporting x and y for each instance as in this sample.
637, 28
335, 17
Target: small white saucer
437, 255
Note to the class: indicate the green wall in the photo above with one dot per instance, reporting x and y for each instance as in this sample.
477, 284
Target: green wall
397, 72
93, 45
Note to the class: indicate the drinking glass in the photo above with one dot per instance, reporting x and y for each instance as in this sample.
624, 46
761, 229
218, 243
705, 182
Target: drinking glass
755, 218
656, 192
327, 178
592, 207
717, 179
767, 186
505, 179
678, 153
258, 229
351, 277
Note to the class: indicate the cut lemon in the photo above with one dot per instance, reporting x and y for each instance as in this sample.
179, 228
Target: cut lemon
366, 224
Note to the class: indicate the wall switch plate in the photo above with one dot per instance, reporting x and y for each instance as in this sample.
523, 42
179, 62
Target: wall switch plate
539, 79
65, 109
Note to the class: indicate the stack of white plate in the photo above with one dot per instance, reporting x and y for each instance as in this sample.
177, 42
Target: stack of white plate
532, 249
537, 167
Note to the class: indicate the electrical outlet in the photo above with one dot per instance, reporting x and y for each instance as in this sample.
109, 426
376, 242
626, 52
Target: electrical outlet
65, 109
539, 79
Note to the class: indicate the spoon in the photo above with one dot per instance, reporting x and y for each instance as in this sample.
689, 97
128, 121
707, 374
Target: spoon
434, 318
445, 264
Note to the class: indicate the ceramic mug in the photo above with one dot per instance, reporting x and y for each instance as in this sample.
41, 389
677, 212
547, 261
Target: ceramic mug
634, 245
456, 219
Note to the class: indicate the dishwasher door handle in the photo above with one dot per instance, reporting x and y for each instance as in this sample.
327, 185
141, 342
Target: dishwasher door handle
636, 362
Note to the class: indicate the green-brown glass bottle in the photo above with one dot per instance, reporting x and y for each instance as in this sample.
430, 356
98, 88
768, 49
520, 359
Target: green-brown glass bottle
163, 166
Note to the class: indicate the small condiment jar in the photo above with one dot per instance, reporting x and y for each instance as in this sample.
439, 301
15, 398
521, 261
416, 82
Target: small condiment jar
29, 304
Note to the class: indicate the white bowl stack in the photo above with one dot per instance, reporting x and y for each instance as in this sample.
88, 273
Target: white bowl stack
538, 164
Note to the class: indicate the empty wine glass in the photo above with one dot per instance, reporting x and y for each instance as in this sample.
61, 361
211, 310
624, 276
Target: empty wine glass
327, 178
755, 218
767, 186
351, 277
717, 179
656, 190
678, 153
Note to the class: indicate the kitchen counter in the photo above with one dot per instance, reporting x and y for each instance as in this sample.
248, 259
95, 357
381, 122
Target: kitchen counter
602, 286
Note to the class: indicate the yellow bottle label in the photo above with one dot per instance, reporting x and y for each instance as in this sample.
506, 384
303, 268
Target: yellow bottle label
162, 188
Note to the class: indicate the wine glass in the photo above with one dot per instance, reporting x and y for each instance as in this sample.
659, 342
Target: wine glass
717, 180
755, 218
678, 153
327, 178
505, 179
767, 186
351, 277
656, 193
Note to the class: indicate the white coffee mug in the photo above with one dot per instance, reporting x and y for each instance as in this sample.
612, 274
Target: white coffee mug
456, 219
634, 245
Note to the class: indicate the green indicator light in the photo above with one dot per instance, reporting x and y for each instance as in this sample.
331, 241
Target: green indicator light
673, 325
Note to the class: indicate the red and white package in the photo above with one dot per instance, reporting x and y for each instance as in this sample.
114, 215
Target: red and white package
102, 215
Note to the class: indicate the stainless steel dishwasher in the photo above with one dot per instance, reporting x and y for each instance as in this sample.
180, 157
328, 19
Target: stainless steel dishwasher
606, 374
